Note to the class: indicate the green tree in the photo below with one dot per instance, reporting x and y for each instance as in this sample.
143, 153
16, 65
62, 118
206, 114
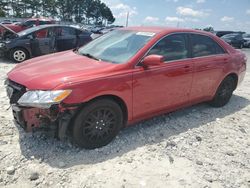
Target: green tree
209, 29
88, 11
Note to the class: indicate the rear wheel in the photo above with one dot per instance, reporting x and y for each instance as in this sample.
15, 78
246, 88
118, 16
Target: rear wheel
224, 92
97, 124
19, 55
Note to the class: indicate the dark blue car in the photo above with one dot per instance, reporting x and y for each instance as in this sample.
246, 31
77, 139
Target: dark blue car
42, 40
234, 39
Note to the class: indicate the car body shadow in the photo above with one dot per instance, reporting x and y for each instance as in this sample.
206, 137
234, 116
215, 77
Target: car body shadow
149, 132
6, 60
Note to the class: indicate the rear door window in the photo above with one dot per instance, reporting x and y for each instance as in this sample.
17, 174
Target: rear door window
204, 46
66, 31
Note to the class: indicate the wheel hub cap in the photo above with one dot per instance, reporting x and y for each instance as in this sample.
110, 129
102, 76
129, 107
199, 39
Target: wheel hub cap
19, 55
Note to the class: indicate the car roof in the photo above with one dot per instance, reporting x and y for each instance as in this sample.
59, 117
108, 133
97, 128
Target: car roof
36, 28
164, 30
232, 34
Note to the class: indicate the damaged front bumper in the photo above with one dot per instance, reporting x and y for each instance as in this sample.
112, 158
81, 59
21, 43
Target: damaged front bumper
54, 119
3, 51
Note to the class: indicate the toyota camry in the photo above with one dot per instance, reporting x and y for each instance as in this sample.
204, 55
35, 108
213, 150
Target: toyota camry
120, 78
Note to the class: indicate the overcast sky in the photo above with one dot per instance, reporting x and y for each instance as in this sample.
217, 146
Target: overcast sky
221, 14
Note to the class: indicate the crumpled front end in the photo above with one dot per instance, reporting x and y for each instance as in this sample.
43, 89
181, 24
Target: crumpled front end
55, 118
3, 48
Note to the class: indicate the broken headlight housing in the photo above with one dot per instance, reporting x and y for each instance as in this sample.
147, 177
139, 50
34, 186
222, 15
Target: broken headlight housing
43, 99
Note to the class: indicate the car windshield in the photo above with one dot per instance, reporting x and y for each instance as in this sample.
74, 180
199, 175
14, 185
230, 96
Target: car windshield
117, 46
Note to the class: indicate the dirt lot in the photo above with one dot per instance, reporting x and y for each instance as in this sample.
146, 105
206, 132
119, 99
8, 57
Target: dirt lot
198, 146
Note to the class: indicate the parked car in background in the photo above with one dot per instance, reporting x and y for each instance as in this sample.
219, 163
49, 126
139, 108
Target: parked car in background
6, 22
222, 33
246, 38
43, 40
20, 26
234, 39
122, 77
97, 29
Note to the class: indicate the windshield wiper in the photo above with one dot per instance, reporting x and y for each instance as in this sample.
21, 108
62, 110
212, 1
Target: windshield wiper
90, 56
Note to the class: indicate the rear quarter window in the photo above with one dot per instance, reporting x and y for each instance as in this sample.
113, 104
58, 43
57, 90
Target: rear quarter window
203, 45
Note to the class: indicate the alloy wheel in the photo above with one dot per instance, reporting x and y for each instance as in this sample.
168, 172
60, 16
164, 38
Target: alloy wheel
19, 55
99, 124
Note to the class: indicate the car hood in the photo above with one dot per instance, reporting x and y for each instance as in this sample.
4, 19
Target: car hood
8, 27
58, 70
13, 33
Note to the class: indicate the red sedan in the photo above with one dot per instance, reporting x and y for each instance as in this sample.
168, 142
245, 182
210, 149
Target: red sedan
17, 27
120, 78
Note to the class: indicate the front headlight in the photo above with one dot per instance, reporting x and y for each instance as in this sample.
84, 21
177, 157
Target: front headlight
43, 99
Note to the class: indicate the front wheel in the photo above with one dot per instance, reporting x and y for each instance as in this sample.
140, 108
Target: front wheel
97, 124
19, 55
223, 93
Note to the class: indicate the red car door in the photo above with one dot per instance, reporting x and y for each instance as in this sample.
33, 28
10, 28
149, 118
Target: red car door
209, 61
164, 86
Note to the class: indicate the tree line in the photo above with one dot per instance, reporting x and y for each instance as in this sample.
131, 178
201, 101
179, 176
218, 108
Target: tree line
80, 11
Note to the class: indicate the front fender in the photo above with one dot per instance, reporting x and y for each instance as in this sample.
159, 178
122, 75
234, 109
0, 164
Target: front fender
119, 86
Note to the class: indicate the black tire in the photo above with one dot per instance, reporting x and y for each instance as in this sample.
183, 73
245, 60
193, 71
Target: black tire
224, 92
19, 55
97, 124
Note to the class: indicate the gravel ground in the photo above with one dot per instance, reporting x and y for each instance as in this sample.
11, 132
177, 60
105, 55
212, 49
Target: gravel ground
198, 146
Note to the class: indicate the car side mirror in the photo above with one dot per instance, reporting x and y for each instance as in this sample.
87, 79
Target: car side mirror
152, 60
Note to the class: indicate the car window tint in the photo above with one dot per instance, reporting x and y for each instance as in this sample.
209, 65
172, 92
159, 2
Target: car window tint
51, 32
41, 33
204, 46
44, 22
65, 31
172, 47
30, 23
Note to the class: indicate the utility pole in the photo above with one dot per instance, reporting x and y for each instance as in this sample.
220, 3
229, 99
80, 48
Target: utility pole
127, 19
